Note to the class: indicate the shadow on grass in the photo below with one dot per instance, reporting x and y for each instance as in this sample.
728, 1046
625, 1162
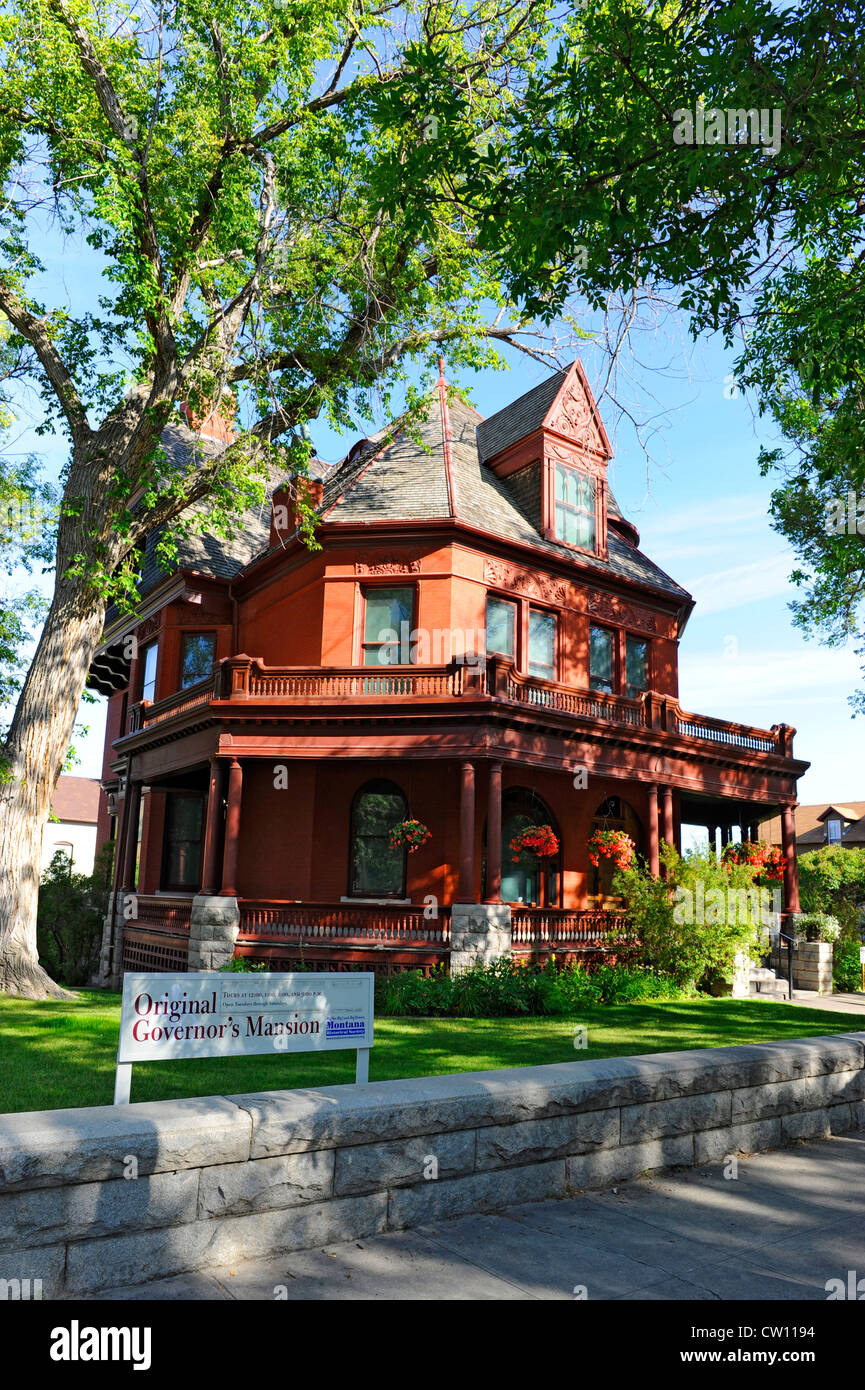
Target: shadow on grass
59, 1054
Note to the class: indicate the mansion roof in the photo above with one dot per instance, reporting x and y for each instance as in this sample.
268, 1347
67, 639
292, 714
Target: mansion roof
426, 472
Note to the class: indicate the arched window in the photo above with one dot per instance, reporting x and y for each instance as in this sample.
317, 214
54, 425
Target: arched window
612, 814
377, 871
529, 879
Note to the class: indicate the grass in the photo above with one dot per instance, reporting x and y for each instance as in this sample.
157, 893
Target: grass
59, 1054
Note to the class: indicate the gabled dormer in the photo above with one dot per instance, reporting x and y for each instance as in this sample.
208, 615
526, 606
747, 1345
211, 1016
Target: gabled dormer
551, 451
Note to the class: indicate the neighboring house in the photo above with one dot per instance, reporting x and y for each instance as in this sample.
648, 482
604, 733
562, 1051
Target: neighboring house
819, 825
479, 644
76, 805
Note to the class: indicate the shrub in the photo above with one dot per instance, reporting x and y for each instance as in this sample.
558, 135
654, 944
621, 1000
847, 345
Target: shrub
833, 880
71, 915
689, 925
506, 989
816, 926
846, 969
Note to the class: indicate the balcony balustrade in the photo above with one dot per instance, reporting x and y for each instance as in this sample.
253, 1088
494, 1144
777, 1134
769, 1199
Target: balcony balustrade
243, 681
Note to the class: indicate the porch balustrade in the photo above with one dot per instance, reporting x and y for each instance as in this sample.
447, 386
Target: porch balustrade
317, 923
243, 680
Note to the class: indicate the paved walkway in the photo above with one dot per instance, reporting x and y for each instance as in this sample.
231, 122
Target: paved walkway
834, 1003
785, 1225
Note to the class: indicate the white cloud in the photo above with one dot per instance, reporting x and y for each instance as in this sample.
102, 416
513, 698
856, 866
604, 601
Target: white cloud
732, 588
713, 683
736, 512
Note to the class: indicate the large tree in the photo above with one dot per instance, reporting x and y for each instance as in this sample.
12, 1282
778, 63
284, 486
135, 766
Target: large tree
713, 151
237, 168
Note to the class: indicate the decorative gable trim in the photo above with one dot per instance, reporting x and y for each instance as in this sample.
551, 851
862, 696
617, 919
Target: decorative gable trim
575, 416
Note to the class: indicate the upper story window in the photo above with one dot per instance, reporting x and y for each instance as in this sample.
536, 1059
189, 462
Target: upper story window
542, 644
833, 831
148, 669
636, 667
575, 507
601, 660
387, 626
197, 654
502, 627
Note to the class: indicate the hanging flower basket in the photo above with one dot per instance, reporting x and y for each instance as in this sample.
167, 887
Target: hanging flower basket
768, 860
540, 840
409, 834
611, 844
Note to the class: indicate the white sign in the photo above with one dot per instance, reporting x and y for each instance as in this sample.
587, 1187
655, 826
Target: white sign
207, 1014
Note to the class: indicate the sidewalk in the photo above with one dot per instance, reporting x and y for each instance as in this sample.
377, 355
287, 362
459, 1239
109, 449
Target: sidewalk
833, 1003
787, 1223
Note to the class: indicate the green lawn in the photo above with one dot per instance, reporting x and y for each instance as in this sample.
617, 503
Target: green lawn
62, 1054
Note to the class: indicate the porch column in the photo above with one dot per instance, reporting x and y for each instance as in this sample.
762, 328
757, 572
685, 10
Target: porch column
494, 836
713, 838
211, 829
754, 832
466, 890
232, 830
791, 867
130, 844
652, 820
669, 831
726, 835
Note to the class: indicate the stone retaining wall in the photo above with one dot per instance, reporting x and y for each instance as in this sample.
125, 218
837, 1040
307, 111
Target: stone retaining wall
223, 1179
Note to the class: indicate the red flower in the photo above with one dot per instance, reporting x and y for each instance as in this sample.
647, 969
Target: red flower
540, 840
612, 844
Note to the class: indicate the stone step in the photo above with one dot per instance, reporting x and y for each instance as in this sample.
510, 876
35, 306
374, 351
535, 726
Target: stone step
769, 989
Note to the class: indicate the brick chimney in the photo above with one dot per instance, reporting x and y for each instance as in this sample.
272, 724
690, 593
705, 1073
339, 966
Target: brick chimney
218, 424
284, 518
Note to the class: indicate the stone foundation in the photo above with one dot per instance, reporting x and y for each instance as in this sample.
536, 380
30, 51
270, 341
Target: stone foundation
480, 933
213, 929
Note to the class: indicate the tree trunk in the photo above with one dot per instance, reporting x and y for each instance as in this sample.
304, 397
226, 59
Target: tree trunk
36, 748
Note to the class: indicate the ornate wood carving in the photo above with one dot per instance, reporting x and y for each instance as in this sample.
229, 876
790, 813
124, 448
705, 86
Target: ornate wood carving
390, 566
202, 617
538, 586
618, 610
572, 416
149, 626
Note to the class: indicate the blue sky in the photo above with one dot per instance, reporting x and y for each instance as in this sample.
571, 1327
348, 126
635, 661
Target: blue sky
701, 508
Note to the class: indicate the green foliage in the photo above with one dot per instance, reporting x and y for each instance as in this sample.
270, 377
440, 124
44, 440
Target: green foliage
846, 968
279, 233
763, 242
507, 989
833, 880
241, 965
816, 926
666, 916
71, 914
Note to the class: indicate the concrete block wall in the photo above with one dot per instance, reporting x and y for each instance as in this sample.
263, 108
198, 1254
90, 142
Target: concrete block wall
812, 965
101, 1198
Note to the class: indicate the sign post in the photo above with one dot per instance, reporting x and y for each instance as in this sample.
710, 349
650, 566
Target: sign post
207, 1014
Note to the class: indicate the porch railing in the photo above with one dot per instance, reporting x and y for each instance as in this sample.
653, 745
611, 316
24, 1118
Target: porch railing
735, 735
543, 695
162, 913
369, 923
556, 926
244, 679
